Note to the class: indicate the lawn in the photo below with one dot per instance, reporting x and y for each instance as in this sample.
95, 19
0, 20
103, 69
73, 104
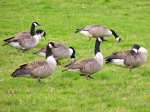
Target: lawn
113, 89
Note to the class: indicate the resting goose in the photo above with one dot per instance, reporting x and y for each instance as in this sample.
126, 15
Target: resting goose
26, 41
87, 67
25, 34
96, 31
38, 69
130, 58
60, 51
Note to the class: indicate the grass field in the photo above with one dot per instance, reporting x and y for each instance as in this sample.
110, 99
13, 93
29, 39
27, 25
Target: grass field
114, 89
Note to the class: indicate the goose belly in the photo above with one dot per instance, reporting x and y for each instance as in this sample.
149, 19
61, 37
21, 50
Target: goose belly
16, 45
43, 71
28, 45
91, 68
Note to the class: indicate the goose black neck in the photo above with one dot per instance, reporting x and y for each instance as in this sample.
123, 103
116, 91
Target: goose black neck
114, 33
97, 46
48, 51
32, 31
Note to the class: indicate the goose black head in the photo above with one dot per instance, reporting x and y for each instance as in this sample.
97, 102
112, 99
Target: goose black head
72, 52
135, 48
40, 32
52, 43
35, 24
49, 49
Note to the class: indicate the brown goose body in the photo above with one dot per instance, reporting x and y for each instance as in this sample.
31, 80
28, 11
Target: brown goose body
95, 31
128, 58
26, 40
60, 51
86, 66
89, 66
38, 69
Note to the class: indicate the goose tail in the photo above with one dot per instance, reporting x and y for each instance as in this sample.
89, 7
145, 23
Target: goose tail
20, 72
77, 30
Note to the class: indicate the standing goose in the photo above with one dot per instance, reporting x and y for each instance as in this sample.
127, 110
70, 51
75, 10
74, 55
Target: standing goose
39, 69
87, 67
96, 31
25, 34
26, 41
130, 58
60, 51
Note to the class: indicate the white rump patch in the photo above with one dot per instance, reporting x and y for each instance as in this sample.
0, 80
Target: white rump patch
109, 32
118, 61
15, 44
86, 33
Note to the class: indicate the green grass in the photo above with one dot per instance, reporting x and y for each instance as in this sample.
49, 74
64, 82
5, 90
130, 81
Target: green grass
114, 89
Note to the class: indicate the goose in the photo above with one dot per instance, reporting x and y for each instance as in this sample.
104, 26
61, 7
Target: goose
38, 69
25, 34
26, 42
96, 31
60, 51
89, 66
132, 58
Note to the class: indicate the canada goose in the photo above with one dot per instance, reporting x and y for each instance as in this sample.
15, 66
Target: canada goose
87, 67
26, 42
39, 69
98, 31
130, 58
25, 34
60, 51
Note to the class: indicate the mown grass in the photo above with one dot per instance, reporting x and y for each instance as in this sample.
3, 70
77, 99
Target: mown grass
114, 89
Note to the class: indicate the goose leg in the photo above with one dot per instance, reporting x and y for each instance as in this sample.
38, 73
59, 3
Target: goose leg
39, 80
58, 62
130, 68
89, 38
25, 50
103, 39
90, 77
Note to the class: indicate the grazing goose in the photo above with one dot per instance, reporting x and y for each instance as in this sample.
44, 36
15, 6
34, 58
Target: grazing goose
60, 51
130, 58
87, 67
98, 31
26, 41
39, 69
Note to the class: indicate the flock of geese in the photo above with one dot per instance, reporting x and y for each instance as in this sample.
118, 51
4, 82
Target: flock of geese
55, 51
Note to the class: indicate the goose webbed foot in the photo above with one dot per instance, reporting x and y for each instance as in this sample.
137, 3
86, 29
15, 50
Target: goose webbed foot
39, 80
89, 38
89, 77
